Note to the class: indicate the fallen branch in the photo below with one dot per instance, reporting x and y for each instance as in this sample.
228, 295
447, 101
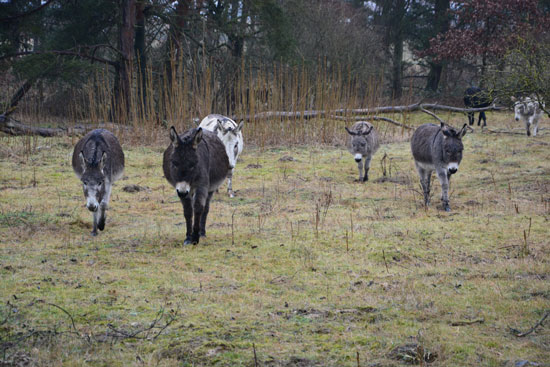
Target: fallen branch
520, 334
123, 334
432, 114
362, 111
469, 322
374, 118
11, 127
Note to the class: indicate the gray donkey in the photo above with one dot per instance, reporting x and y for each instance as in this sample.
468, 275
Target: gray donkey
98, 161
363, 143
439, 149
196, 164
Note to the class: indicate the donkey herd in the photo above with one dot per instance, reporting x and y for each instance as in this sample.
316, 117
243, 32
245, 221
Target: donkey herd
197, 162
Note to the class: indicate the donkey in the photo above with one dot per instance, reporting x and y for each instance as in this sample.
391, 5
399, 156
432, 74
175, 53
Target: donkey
196, 164
231, 136
363, 143
98, 161
439, 149
475, 97
528, 110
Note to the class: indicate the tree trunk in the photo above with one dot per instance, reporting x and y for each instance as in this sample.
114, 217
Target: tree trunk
397, 66
441, 25
123, 91
139, 47
434, 76
18, 96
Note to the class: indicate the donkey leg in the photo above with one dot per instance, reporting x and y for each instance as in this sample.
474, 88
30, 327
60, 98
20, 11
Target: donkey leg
528, 127
482, 117
444, 180
103, 207
471, 118
360, 168
202, 231
96, 219
188, 214
367, 167
425, 177
198, 209
229, 183
535, 126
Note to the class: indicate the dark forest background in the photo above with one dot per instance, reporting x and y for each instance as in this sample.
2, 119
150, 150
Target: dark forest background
156, 60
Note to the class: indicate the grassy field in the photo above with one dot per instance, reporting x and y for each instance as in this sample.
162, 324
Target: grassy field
304, 267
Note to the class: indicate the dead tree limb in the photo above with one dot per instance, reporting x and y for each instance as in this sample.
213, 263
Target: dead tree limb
372, 118
11, 127
433, 115
362, 111
520, 334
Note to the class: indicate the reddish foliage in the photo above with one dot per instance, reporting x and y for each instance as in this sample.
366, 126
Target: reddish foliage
487, 28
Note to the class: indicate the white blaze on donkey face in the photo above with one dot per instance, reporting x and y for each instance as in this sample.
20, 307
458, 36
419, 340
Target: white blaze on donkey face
452, 167
91, 198
183, 188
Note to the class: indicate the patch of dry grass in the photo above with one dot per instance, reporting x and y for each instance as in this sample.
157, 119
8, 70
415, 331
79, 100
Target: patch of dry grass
322, 268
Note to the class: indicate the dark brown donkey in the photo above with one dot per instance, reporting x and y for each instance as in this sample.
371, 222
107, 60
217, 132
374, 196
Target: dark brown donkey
196, 164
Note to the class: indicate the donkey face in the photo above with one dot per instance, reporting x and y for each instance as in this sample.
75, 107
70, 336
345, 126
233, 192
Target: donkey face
230, 139
359, 143
93, 181
183, 162
452, 147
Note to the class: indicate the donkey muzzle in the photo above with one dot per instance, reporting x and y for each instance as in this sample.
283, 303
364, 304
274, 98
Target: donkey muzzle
92, 207
452, 168
358, 157
182, 194
182, 189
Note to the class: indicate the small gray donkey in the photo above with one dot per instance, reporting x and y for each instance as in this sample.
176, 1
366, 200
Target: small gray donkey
363, 143
437, 148
98, 161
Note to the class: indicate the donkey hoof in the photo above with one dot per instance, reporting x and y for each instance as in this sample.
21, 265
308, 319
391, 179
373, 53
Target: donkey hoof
101, 224
447, 207
94, 233
365, 179
187, 241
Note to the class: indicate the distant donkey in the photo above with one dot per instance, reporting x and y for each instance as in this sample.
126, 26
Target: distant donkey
196, 164
98, 161
439, 149
363, 143
529, 110
231, 136
475, 97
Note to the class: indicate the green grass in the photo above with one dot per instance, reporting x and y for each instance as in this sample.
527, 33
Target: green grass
375, 271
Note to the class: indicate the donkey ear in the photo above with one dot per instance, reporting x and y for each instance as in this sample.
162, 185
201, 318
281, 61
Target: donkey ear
239, 128
102, 162
197, 138
219, 126
174, 136
513, 99
82, 161
368, 131
462, 132
353, 133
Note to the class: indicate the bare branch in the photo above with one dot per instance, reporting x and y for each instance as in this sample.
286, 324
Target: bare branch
520, 334
12, 18
62, 53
